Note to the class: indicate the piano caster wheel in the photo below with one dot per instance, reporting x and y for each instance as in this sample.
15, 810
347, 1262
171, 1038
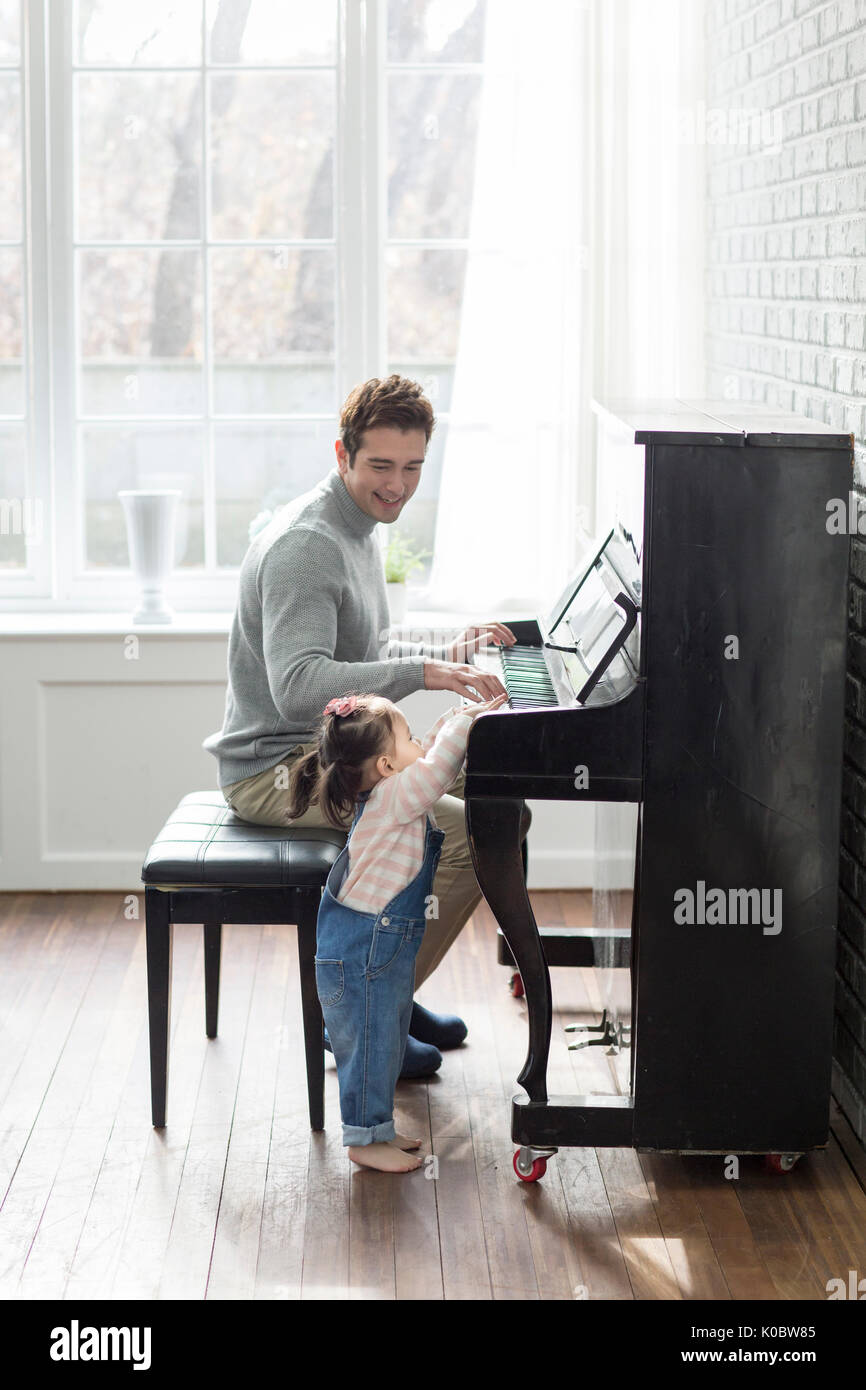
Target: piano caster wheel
515, 984
780, 1163
531, 1164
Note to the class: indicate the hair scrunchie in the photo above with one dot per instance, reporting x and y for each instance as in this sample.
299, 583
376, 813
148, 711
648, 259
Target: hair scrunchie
343, 704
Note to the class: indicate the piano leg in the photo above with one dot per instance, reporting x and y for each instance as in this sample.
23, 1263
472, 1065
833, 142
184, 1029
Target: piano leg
493, 826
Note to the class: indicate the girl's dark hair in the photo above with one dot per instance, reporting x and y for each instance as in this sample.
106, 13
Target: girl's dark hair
332, 772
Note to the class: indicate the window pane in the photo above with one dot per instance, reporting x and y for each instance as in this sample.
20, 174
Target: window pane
159, 32
140, 456
259, 468
20, 515
140, 332
139, 156
424, 293
10, 21
10, 157
441, 31
432, 127
272, 31
273, 330
11, 332
272, 155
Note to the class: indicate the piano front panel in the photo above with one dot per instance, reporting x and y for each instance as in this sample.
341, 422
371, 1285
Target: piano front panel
741, 791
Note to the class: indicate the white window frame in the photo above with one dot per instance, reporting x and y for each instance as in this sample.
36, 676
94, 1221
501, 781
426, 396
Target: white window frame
56, 580
22, 587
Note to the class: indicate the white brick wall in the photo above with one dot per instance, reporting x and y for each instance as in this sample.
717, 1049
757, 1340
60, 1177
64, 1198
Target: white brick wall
786, 255
786, 322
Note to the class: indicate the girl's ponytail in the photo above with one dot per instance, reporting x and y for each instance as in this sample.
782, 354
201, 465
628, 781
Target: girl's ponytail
303, 780
338, 790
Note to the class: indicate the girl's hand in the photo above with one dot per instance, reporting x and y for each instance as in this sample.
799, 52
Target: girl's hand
484, 706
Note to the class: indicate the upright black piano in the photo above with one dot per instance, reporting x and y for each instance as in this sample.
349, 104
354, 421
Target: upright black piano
694, 666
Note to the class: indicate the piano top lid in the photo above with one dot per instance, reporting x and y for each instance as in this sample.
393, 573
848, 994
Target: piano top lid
766, 426
732, 423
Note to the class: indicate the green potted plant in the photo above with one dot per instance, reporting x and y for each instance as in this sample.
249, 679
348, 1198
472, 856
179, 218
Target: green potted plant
401, 558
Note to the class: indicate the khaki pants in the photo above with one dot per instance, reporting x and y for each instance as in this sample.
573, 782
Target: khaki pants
262, 801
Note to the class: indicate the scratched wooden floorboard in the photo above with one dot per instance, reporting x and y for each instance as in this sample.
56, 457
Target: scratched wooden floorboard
509, 1261
554, 1240
236, 1199
577, 999
280, 1263
157, 1167
45, 1096
90, 1075
234, 1259
466, 1272
102, 1244
186, 1265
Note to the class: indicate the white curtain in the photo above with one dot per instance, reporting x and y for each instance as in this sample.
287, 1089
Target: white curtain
584, 279
509, 489
648, 241
648, 280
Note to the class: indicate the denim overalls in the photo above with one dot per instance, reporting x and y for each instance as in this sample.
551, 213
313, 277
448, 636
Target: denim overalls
365, 978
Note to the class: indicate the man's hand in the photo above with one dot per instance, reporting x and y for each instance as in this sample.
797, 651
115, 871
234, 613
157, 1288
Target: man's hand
482, 635
468, 681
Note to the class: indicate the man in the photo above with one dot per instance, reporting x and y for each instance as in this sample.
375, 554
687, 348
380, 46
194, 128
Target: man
312, 623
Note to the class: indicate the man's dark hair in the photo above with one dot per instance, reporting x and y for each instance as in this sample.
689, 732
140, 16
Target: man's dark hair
394, 401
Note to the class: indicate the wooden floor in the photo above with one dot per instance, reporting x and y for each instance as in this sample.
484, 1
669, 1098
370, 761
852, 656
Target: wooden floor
236, 1199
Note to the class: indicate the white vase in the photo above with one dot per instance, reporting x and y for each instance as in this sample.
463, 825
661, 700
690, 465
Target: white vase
151, 481
396, 600
150, 518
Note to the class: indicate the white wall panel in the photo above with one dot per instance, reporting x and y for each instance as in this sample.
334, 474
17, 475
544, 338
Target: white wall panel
128, 750
99, 740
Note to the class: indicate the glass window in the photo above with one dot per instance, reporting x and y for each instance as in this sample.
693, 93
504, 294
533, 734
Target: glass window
204, 261
433, 93
220, 195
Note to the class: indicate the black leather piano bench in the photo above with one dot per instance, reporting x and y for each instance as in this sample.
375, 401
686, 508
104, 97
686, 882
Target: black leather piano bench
207, 865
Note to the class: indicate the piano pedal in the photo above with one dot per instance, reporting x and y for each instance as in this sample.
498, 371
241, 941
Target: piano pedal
612, 1035
589, 1027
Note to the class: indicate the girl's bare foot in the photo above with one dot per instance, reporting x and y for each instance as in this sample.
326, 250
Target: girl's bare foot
385, 1157
400, 1141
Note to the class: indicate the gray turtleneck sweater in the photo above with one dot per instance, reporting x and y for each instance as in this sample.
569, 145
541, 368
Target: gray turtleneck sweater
311, 622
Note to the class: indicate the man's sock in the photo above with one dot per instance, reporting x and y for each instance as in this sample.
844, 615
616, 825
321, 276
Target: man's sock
442, 1030
419, 1059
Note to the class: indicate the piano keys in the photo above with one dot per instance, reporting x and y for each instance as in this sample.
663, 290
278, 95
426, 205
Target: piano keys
694, 668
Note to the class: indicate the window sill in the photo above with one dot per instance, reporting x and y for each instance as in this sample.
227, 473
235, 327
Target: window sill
59, 624
64, 624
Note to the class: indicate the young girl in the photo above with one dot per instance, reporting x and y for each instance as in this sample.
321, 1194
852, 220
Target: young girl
373, 910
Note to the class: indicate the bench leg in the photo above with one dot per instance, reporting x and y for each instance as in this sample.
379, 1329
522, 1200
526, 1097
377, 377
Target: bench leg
157, 911
314, 1026
212, 944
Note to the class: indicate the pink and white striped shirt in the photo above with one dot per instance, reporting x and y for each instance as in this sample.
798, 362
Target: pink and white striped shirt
386, 848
